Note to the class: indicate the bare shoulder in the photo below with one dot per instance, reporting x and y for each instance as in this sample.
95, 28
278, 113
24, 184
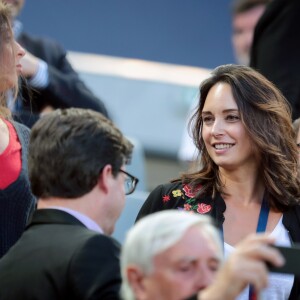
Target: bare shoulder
4, 136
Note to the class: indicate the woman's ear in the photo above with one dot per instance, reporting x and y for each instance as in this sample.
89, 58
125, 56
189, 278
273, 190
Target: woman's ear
105, 177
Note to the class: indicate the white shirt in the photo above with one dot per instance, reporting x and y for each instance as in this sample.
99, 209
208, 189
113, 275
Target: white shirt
280, 285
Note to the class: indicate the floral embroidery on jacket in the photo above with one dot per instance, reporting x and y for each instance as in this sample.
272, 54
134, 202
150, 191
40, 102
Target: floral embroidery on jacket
188, 195
177, 193
166, 198
187, 207
188, 191
203, 208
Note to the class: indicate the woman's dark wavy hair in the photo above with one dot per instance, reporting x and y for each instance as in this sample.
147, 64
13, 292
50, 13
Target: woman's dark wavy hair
266, 116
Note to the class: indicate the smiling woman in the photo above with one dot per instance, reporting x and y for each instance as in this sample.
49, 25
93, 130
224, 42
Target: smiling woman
248, 176
16, 200
220, 115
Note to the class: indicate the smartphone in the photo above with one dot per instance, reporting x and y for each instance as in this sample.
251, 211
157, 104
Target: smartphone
292, 260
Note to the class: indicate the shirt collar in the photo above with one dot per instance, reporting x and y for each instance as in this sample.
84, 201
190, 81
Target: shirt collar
85, 220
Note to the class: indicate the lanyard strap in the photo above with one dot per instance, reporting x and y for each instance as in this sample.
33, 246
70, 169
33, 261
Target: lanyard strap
261, 227
263, 216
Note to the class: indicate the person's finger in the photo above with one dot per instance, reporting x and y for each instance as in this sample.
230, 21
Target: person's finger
258, 247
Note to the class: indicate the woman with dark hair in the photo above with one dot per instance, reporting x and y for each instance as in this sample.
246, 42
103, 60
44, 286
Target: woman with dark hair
248, 176
16, 199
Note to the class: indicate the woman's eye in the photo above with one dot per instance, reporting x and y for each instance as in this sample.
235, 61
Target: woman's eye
207, 119
232, 118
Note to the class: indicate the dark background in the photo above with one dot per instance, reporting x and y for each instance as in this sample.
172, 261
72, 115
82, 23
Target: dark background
187, 32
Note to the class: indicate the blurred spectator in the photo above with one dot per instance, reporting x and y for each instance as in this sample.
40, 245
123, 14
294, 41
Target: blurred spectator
181, 254
275, 51
245, 15
51, 81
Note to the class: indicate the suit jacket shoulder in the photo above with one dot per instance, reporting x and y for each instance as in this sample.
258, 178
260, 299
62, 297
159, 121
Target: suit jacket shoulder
63, 258
94, 268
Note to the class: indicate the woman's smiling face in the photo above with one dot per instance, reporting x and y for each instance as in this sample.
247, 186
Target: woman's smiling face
225, 137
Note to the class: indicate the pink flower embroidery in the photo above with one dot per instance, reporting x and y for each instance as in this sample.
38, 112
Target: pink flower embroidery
166, 198
187, 207
188, 191
203, 208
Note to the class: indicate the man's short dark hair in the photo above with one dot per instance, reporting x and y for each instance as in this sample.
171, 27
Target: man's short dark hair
69, 148
241, 6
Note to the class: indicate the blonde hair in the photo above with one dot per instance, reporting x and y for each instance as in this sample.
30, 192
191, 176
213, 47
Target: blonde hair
5, 27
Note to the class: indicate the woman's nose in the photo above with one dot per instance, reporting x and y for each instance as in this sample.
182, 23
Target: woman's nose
217, 127
19, 50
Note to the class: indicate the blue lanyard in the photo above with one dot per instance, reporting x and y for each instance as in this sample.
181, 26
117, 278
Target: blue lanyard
261, 227
263, 216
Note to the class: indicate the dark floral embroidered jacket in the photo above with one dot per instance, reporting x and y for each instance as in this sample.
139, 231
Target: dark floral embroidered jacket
180, 196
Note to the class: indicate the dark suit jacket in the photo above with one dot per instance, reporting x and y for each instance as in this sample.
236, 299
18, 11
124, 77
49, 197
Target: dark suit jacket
58, 258
65, 88
276, 47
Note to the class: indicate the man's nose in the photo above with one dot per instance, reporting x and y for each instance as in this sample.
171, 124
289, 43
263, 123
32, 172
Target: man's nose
204, 278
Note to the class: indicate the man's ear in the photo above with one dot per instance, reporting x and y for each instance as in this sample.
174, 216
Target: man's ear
105, 177
136, 281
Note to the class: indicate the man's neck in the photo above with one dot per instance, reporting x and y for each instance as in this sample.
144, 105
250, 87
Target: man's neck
84, 219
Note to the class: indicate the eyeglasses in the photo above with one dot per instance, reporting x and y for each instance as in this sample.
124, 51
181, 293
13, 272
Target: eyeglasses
130, 183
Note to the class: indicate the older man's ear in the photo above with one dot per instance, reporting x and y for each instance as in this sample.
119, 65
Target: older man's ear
136, 280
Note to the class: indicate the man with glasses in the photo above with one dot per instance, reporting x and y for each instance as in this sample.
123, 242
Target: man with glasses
77, 171
130, 183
